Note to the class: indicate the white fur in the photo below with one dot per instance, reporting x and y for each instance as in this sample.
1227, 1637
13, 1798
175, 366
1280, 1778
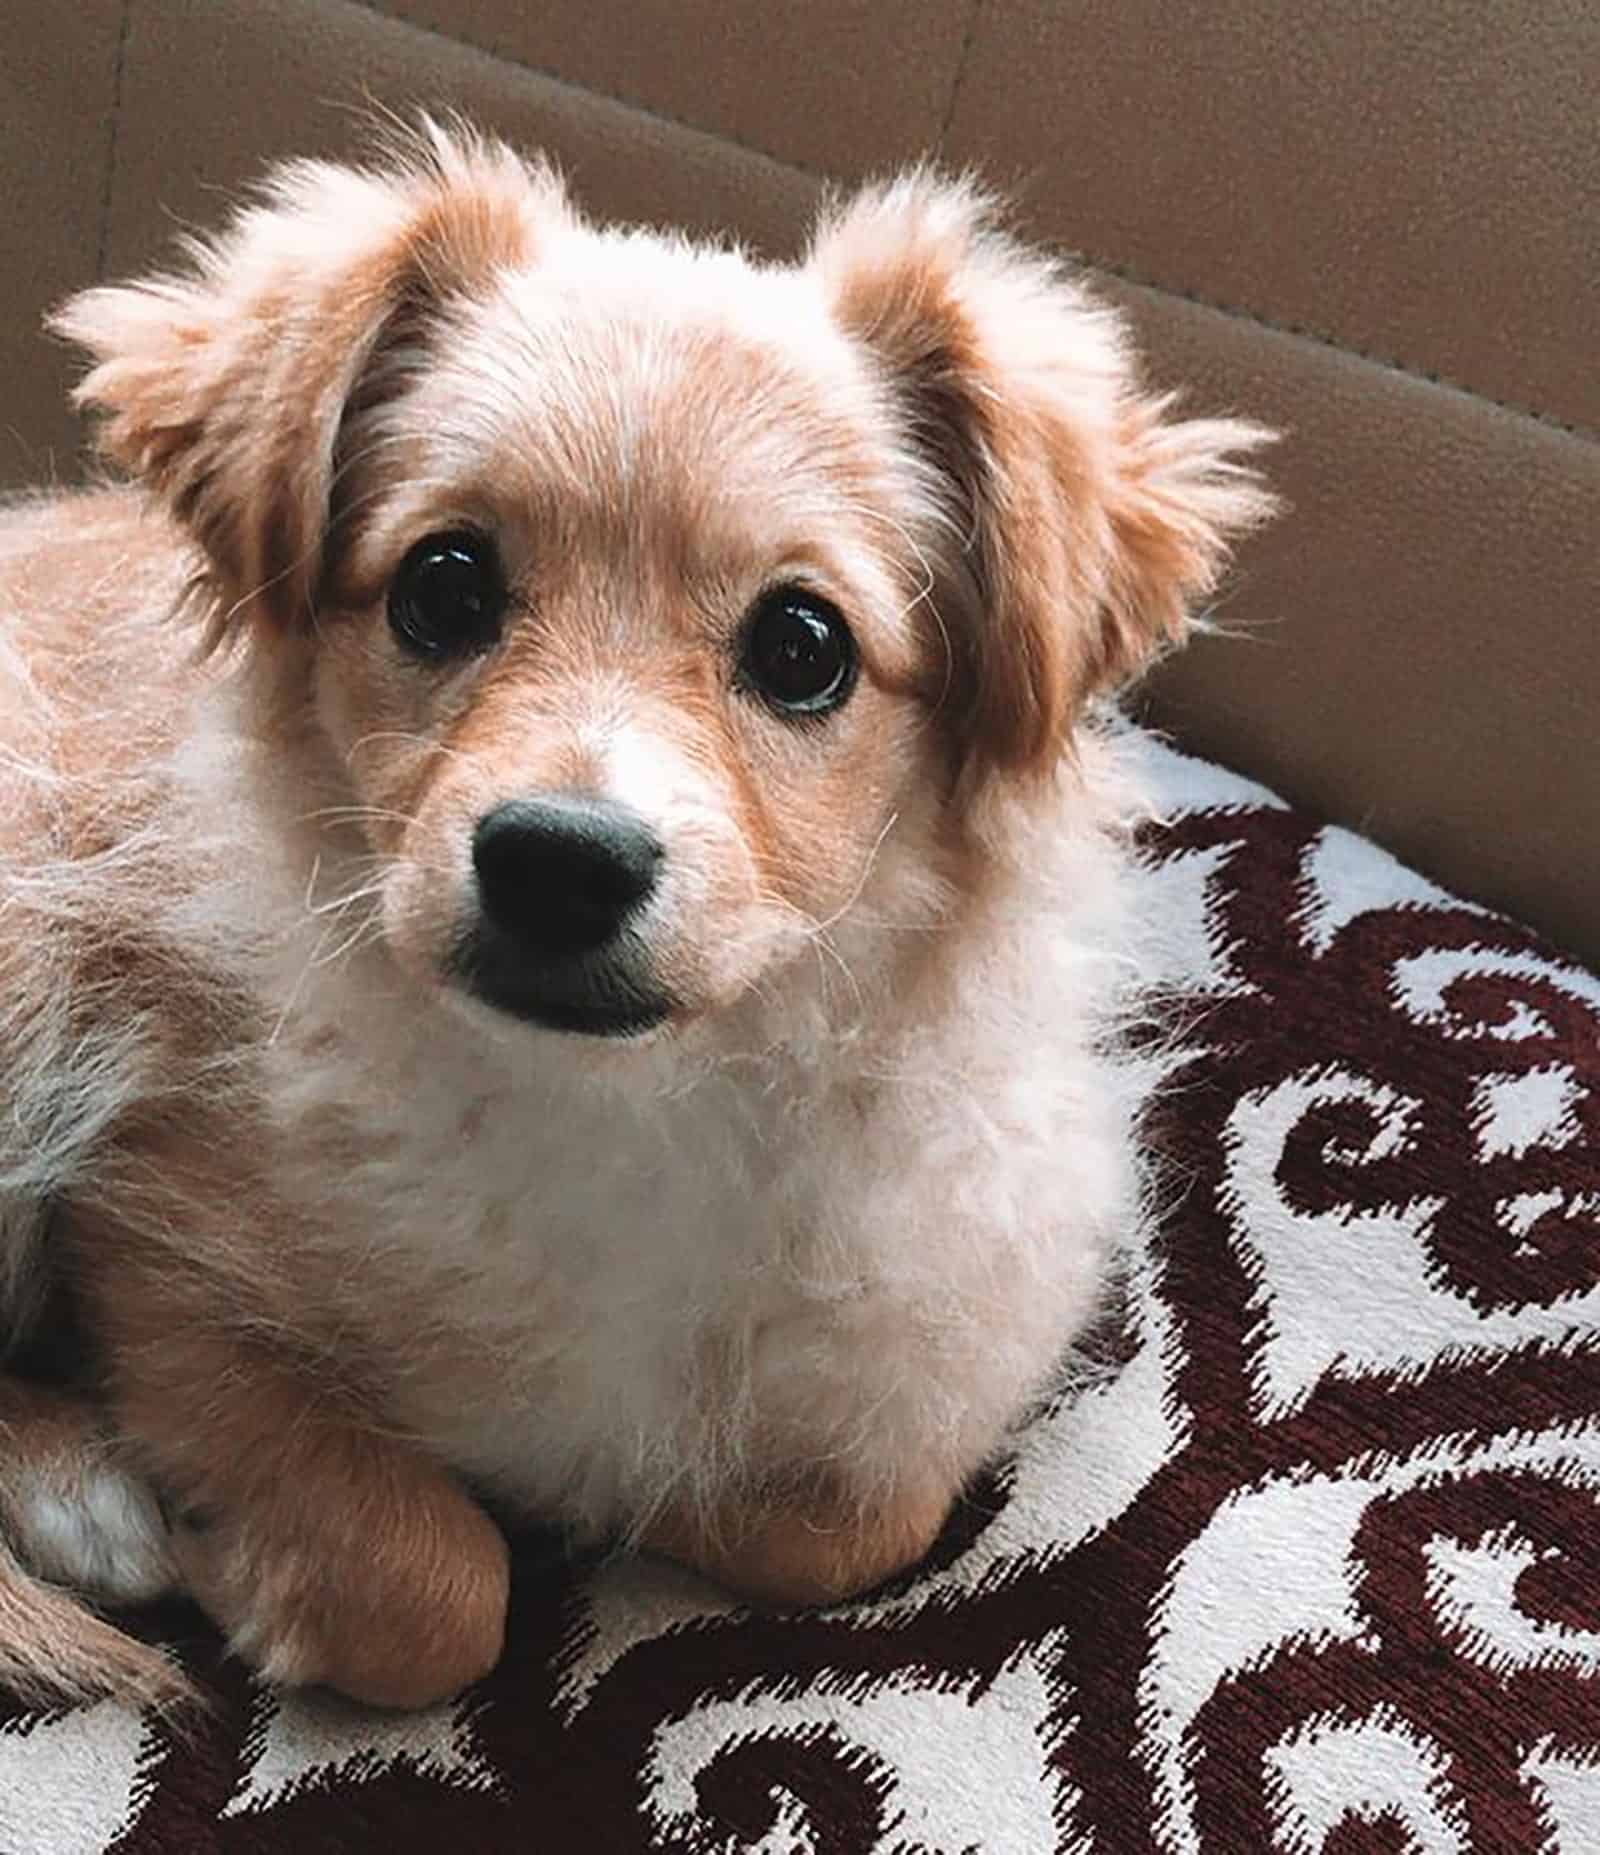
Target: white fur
98, 1530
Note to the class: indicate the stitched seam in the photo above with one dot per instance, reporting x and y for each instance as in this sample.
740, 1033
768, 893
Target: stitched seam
648, 110
1390, 363
1235, 312
962, 61
113, 138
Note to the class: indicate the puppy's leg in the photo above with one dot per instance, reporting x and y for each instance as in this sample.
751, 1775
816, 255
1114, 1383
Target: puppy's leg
329, 1552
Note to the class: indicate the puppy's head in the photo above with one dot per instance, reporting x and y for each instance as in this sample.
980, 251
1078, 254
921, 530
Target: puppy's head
642, 592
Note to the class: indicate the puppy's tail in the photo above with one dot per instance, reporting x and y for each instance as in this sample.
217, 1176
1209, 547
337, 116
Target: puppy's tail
55, 1651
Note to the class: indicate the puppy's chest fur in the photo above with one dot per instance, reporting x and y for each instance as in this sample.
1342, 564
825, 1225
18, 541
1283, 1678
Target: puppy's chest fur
563, 1286
601, 1283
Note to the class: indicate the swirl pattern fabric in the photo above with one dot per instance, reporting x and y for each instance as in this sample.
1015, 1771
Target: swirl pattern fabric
1308, 1560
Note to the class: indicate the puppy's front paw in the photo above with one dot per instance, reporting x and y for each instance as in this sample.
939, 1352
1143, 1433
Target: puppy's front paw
396, 1602
806, 1552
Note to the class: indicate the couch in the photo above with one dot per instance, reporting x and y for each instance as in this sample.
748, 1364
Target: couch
1313, 1562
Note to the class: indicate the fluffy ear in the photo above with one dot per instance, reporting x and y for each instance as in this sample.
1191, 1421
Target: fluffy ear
1078, 522
226, 388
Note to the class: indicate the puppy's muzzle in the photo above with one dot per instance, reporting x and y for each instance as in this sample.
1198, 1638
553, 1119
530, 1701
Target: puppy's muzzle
562, 882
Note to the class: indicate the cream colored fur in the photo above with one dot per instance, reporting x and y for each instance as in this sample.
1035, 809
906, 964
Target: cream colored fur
838, 1222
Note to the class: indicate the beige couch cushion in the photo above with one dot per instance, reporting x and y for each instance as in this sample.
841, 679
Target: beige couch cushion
1311, 213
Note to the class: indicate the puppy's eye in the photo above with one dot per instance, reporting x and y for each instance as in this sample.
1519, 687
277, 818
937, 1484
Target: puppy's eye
448, 597
798, 655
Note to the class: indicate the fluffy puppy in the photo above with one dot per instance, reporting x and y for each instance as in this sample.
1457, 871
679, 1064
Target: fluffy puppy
599, 986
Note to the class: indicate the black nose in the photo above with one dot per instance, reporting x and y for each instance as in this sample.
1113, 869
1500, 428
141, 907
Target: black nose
562, 874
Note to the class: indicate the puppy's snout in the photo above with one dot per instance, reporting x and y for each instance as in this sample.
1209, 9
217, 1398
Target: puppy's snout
562, 874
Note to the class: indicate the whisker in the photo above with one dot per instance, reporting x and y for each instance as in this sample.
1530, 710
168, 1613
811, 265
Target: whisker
402, 734
861, 881
311, 880
368, 925
817, 939
337, 814
340, 903
367, 930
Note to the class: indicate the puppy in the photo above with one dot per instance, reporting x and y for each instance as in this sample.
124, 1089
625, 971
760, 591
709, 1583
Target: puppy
597, 984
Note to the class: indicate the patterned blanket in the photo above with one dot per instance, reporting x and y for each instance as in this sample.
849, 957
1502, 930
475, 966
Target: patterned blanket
1311, 1564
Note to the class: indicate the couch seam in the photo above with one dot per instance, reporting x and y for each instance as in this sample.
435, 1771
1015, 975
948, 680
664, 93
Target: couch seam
113, 139
963, 59
1126, 273
1408, 370
493, 49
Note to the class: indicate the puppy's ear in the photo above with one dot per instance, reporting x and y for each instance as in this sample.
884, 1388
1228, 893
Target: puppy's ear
1073, 521
226, 389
